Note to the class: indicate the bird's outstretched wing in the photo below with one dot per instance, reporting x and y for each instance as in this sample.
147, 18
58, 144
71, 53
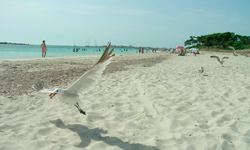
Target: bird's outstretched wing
231, 47
243, 54
39, 88
90, 78
240, 53
215, 57
225, 58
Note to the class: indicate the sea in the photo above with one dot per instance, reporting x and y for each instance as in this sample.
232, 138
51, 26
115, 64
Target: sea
34, 51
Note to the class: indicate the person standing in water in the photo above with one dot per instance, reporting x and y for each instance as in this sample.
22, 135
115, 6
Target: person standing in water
44, 49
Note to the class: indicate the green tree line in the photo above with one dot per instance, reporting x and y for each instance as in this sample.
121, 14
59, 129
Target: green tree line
13, 43
219, 40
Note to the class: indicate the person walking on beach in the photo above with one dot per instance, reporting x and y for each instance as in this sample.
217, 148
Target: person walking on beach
44, 49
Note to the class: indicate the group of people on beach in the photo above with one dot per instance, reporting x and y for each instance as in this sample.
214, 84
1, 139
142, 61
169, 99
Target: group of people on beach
141, 50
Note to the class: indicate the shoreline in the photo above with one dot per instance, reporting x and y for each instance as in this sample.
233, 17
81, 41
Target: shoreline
34, 52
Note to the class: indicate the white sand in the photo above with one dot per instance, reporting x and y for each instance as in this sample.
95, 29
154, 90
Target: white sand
140, 107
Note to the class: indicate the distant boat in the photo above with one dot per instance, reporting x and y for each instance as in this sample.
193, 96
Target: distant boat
95, 43
88, 43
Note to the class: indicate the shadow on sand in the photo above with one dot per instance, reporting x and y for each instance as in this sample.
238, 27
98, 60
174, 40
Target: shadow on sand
87, 135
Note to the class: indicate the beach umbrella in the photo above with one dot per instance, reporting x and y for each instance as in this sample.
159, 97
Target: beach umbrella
179, 47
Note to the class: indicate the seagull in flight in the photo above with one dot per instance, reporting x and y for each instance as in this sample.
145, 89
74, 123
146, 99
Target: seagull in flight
82, 85
220, 61
237, 52
234, 53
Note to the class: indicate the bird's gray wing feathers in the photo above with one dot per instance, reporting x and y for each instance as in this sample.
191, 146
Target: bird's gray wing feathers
215, 57
46, 91
231, 47
225, 58
39, 88
243, 54
90, 78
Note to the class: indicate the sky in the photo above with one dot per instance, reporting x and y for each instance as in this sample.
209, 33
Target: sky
154, 23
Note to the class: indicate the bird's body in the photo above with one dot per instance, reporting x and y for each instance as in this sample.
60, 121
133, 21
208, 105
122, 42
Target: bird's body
201, 71
235, 52
67, 97
82, 85
220, 61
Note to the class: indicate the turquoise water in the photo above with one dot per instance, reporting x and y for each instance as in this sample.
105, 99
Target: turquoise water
34, 51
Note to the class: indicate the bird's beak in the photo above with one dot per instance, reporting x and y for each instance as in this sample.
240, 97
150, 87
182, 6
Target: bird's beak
52, 95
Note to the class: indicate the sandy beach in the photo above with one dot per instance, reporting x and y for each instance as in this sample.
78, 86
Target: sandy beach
155, 101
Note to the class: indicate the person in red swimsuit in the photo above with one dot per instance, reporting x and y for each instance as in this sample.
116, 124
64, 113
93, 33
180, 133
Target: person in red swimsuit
44, 49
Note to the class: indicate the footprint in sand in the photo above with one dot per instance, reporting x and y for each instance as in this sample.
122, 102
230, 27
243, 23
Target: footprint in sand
223, 120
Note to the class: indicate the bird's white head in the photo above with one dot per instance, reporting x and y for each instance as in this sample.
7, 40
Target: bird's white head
57, 91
